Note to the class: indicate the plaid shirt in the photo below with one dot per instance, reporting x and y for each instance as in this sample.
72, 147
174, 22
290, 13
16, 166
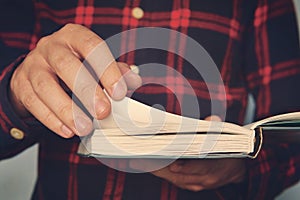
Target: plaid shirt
253, 43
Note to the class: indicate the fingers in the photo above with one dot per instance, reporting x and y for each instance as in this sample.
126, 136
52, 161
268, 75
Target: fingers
38, 109
148, 165
132, 79
66, 62
60, 56
39, 92
188, 177
160, 169
188, 167
60, 104
108, 72
209, 173
188, 182
94, 50
213, 118
193, 182
75, 75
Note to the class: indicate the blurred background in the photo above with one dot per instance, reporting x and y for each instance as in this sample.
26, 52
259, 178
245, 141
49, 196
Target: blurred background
18, 174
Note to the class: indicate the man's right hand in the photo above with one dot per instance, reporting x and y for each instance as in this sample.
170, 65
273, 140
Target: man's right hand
35, 85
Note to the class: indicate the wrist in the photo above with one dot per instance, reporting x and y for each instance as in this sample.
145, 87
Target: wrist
17, 106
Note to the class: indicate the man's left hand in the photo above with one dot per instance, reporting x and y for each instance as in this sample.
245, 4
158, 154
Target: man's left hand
196, 175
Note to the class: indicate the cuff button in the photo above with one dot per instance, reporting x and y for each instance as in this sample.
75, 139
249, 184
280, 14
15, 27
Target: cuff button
17, 133
137, 13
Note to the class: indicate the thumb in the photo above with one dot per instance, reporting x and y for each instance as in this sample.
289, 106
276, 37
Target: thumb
132, 79
213, 118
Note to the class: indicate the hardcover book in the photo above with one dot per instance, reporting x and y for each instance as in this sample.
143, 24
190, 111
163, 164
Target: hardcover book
135, 130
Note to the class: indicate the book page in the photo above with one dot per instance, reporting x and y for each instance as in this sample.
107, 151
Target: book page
138, 130
134, 117
282, 117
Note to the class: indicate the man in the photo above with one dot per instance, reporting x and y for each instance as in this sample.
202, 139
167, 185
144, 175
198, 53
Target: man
43, 46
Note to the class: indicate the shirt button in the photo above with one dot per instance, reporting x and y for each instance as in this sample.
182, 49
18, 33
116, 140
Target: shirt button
135, 69
137, 13
17, 133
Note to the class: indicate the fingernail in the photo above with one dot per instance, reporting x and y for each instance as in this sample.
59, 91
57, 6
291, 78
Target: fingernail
102, 108
213, 118
131, 74
135, 69
119, 90
66, 130
134, 79
83, 125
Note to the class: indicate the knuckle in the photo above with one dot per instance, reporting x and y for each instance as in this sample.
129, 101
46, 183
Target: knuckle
71, 27
62, 63
43, 41
48, 118
29, 100
30, 59
86, 91
91, 42
65, 111
33, 62
41, 86
66, 31
86, 94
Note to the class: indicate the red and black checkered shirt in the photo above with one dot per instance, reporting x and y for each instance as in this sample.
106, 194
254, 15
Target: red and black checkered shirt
253, 43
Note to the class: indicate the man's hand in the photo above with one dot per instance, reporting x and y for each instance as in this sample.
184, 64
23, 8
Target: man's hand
196, 175
36, 85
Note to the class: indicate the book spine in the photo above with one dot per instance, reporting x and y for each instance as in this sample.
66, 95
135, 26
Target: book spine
258, 140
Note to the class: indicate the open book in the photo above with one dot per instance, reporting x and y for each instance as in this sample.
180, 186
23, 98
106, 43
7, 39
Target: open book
135, 130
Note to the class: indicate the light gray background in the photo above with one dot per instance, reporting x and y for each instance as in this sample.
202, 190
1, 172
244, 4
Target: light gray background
18, 174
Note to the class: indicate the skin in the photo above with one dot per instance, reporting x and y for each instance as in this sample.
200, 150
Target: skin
35, 85
38, 88
197, 175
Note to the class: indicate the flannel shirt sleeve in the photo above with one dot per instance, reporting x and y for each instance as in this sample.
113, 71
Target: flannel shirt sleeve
273, 77
17, 24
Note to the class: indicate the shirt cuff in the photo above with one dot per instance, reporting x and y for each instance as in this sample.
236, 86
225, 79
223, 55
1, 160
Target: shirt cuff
16, 133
